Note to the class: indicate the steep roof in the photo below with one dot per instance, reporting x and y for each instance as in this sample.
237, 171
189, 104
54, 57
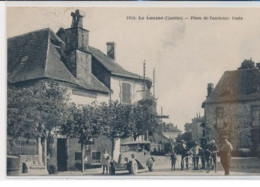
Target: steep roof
112, 66
35, 55
239, 85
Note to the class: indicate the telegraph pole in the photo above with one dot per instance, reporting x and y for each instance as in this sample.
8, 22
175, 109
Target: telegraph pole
144, 71
162, 125
154, 82
145, 94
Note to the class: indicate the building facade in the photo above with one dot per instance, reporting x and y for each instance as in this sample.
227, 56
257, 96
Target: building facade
232, 109
89, 75
196, 128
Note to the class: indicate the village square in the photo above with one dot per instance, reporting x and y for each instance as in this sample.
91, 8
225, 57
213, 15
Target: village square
74, 110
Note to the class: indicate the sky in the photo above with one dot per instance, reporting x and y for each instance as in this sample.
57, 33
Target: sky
186, 54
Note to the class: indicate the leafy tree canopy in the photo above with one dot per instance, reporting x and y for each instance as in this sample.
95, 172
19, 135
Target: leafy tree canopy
37, 110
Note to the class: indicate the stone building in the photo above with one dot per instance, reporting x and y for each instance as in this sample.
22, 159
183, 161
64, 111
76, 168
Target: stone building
197, 131
88, 73
196, 128
232, 109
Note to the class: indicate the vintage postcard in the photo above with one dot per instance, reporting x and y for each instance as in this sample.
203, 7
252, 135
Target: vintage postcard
133, 92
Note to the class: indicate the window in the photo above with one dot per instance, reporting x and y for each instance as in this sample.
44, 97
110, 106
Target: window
126, 93
256, 116
96, 155
220, 118
77, 155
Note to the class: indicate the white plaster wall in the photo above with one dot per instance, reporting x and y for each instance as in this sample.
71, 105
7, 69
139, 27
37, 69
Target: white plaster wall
136, 89
80, 97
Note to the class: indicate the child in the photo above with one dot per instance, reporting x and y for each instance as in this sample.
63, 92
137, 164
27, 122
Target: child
173, 160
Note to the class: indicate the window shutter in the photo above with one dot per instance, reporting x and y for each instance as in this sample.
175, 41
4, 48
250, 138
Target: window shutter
126, 93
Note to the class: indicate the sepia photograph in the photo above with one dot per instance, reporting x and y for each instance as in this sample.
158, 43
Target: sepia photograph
133, 92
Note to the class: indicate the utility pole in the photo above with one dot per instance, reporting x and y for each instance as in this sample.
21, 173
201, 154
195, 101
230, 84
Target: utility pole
144, 87
154, 82
145, 95
162, 125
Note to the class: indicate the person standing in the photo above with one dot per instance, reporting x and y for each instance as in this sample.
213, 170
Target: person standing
207, 153
173, 160
203, 145
105, 158
195, 151
184, 154
225, 155
213, 149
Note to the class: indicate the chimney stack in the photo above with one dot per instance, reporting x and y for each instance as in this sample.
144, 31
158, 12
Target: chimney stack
75, 37
77, 18
111, 50
210, 88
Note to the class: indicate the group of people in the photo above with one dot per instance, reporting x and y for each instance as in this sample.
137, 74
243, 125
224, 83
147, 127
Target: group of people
203, 152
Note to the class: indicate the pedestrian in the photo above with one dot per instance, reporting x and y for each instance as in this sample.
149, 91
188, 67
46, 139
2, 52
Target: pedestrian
225, 155
207, 152
203, 145
213, 149
195, 152
173, 160
184, 155
105, 159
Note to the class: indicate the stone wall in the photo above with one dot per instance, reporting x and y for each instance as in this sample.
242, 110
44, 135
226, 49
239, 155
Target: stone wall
236, 120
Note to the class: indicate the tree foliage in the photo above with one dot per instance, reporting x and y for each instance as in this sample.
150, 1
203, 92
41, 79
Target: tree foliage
37, 110
247, 64
83, 122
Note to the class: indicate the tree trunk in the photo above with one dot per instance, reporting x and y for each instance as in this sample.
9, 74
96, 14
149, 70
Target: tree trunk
135, 136
113, 148
82, 157
39, 150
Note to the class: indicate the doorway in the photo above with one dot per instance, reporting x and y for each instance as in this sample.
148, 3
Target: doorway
61, 154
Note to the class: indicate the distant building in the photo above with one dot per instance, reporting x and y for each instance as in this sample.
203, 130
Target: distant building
196, 128
188, 127
232, 109
166, 135
89, 74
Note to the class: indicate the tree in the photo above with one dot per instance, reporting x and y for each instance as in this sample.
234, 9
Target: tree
125, 120
116, 121
83, 123
37, 110
145, 117
247, 64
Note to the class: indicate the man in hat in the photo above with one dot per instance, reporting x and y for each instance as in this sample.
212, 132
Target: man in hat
225, 155
212, 150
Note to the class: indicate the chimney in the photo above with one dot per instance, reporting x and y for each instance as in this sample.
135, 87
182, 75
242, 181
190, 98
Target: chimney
77, 18
111, 50
75, 37
210, 88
